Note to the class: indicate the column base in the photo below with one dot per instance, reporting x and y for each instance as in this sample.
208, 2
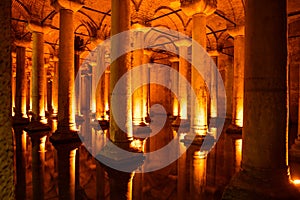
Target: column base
294, 152
198, 140
112, 158
183, 123
20, 121
234, 129
36, 126
141, 131
65, 137
248, 187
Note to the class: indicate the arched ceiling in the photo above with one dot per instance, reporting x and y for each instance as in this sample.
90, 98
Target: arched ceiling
92, 22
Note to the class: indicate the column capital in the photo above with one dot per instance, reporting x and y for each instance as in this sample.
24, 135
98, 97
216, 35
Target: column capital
139, 27
191, 7
213, 53
21, 43
174, 59
183, 43
148, 52
238, 30
34, 26
68, 5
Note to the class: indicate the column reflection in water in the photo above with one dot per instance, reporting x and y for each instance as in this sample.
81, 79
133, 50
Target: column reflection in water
198, 179
20, 156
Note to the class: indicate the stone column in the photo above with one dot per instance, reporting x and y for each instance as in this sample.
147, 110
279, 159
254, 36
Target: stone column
20, 97
238, 33
66, 90
78, 84
175, 87
38, 73
199, 10
120, 21
46, 65
146, 88
13, 87
28, 90
264, 169
93, 88
55, 87
65, 139
137, 96
6, 143
295, 150
183, 46
214, 84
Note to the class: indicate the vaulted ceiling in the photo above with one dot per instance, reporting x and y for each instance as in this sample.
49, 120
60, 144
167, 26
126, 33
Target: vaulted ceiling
92, 21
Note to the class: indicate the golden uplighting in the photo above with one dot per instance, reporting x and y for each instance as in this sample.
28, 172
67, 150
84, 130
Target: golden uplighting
175, 107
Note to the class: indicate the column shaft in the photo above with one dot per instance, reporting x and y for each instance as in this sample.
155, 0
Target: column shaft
20, 97
199, 113
120, 22
66, 110
264, 169
6, 143
55, 89
238, 80
137, 97
38, 76
183, 92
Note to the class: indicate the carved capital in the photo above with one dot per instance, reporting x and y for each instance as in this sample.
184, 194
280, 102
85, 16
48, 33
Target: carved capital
236, 31
34, 26
68, 5
183, 43
191, 7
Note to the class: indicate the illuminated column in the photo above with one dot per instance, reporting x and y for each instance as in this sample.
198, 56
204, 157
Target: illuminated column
65, 139
199, 10
13, 87
46, 65
38, 140
106, 93
238, 33
6, 139
120, 21
146, 88
28, 89
137, 97
295, 150
77, 73
176, 106
93, 88
38, 73
183, 70
66, 90
20, 97
214, 84
264, 168
55, 88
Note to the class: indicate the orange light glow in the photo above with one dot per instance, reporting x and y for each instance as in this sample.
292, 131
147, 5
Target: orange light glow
239, 115
137, 113
238, 153
175, 107
183, 109
296, 182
